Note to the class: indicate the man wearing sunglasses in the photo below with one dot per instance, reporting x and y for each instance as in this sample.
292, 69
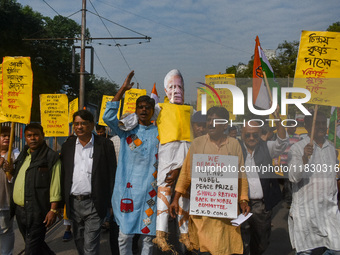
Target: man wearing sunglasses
264, 189
135, 193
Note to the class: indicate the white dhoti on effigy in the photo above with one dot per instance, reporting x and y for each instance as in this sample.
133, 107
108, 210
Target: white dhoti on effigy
171, 156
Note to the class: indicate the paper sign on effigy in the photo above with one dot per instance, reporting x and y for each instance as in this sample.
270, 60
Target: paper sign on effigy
224, 94
130, 99
72, 108
102, 109
214, 186
17, 89
54, 114
318, 67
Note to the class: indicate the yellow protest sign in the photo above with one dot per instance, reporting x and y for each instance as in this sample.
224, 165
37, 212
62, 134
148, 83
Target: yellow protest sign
17, 89
54, 114
174, 122
131, 98
72, 108
2, 117
102, 109
224, 94
318, 67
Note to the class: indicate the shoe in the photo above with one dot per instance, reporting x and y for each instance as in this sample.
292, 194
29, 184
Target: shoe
67, 236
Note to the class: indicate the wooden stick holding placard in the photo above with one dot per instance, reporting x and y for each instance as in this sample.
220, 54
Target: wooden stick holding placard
313, 125
335, 125
10, 146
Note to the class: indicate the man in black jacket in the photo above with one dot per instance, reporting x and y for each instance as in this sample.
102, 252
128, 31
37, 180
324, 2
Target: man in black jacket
89, 165
264, 189
37, 190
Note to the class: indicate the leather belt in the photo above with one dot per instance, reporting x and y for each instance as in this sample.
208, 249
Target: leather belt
81, 197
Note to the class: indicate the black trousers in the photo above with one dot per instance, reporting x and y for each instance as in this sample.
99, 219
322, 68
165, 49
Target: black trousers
34, 236
257, 229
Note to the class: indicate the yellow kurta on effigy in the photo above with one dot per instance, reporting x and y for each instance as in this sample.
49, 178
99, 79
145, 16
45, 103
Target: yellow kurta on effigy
174, 122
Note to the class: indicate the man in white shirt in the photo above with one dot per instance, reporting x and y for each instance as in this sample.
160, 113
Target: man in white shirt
314, 217
89, 165
264, 190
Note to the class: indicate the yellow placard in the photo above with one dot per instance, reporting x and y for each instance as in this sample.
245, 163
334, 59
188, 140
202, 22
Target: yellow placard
17, 89
2, 117
72, 108
131, 97
54, 114
318, 67
174, 123
224, 94
102, 109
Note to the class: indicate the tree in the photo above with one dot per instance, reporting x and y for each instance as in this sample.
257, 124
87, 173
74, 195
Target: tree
285, 61
97, 87
51, 60
335, 27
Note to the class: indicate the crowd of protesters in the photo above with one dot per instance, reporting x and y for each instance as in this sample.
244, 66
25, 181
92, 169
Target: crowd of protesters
132, 182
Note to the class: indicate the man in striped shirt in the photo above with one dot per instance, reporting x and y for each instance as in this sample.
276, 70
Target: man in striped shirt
314, 217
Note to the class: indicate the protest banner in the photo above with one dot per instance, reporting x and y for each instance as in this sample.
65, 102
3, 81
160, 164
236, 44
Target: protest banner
318, 67
130, 99
224, 94
72, 108
214, 186
102, 109
17, 89
54, 114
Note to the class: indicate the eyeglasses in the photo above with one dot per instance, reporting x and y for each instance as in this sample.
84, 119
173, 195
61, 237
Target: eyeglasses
147, 107
254, 135
81, 123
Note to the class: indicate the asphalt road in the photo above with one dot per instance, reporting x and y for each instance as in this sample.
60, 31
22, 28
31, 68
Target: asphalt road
279, 245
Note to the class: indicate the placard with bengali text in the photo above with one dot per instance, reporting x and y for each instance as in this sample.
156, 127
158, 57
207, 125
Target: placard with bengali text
17, 89
130, 99
72, 108
102, 109
318, 67
224, 94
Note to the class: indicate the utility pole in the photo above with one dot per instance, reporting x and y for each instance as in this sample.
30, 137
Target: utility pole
82, 58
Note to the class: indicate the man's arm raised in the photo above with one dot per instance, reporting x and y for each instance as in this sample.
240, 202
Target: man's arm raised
127, 85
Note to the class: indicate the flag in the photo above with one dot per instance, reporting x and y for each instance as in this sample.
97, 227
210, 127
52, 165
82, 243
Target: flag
154, 94
335, 116
260, 93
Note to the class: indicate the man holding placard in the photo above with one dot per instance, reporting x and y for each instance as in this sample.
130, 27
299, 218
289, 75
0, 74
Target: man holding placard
314, 217
6, 187
210, 228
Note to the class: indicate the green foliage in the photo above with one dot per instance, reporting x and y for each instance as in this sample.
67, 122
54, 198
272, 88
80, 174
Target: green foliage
335, 27
97, 87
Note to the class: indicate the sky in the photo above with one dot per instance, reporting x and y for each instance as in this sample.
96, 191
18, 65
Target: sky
198, 37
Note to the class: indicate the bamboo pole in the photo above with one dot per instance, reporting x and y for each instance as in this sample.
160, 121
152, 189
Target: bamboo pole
335, 125
10, 147
313, 125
